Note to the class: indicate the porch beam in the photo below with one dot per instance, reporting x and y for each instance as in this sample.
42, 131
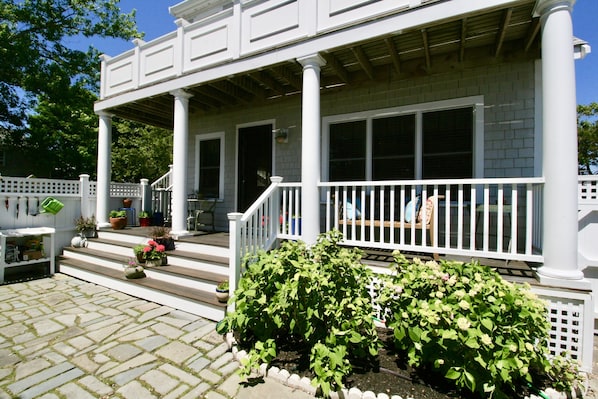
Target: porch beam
532, 33
268, 81
364, 61
336, 66
394, 54
216, 95
503, 30
230, 90
249, 85
426, 49
463, 39
287, 75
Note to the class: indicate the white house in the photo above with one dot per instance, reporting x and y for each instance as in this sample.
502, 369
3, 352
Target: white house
366, 105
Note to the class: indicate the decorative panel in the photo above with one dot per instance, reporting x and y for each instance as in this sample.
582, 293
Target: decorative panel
157, 61
120, 76
336, 13
208, 44
271, 24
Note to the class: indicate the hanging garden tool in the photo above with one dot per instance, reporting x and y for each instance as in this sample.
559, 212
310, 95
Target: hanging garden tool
6, 203
18, 200
26, 205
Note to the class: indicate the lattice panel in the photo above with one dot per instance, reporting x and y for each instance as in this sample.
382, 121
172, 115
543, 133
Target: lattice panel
33, 186
125, 190
571, 318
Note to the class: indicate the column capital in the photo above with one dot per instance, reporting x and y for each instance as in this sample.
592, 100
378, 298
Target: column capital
104, 114
312, 60
180, 93
544, 6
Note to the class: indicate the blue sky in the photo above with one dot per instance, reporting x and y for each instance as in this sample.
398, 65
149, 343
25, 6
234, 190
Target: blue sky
153, 19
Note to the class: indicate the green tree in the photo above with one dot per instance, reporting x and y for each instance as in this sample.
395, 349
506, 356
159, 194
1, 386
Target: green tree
47, 89
36, 63
139, 151
587, 137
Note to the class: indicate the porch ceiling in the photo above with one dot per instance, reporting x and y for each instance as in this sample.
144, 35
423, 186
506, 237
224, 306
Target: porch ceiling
494, 37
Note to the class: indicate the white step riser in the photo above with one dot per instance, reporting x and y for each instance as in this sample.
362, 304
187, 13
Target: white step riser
198, 265
196, 308
108, 235
113, 249
184, 282
93, 260
202, 249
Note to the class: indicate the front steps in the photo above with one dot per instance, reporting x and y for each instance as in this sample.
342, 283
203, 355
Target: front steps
187, 283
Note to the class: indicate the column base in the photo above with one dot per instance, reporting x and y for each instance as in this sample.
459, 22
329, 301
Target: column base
563, 279
179, 234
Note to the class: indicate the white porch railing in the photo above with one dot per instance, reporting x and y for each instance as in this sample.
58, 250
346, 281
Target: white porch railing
161, 190
587, 192
492, 218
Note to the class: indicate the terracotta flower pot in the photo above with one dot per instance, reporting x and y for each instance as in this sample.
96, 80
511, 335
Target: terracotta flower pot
118, 223
127, 202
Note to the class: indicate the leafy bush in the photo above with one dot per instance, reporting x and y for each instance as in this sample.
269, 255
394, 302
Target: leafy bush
315, 296
467, 323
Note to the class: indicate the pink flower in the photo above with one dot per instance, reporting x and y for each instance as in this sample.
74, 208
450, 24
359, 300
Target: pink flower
147, 249
152, 243
160, 248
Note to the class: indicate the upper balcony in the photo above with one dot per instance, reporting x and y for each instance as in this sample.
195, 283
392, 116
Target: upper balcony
244, 51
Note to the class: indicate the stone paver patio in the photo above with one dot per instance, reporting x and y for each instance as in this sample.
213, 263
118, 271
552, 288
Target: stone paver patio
65, 338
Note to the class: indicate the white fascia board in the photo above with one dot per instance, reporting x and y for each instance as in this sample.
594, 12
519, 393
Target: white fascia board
391, 25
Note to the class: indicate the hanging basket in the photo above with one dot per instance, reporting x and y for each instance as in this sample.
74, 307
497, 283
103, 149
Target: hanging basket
51, 205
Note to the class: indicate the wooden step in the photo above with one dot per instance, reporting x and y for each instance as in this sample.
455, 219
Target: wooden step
147, 282
182, 272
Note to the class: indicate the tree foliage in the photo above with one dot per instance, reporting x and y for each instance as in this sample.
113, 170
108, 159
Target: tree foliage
37, 65
587, 137
139, 151
47, 89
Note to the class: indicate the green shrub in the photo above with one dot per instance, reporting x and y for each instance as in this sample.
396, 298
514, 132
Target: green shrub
314, 296
467, 323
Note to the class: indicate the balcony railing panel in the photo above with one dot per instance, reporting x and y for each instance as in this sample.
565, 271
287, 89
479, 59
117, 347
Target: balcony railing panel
493, 218
243, 30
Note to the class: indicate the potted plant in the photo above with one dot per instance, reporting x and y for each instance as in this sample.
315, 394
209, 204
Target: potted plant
145, 219
118, 219
138, 251
133, 270
154, 253
86, 227
161, 235
222, 291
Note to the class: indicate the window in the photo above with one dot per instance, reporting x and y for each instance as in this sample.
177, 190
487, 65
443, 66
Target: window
429, 141
347, 151
209, 169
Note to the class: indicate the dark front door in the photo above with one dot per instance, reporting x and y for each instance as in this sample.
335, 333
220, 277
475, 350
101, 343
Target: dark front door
255, 163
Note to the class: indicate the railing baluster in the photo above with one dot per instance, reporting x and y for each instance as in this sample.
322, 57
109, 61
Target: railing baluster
391, 231
486, 224
472, 218
499, 219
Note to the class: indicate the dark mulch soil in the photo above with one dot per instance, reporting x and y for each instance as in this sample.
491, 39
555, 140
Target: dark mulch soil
388, 374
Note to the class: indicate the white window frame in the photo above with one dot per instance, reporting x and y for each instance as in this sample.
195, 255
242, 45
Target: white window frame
198, 140
476, 102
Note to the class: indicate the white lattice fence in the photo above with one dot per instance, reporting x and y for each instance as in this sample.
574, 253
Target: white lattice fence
28, 186
571, 316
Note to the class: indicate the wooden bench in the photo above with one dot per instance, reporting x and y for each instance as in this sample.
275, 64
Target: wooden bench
418, 222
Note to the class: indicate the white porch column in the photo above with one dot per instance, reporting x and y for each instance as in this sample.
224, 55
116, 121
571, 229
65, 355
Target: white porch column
180, 160
559, 144
104, 169
310, 149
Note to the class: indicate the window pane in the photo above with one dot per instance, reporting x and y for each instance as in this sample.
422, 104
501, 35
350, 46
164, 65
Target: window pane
393, 148
347, 151
209, 168
448, 144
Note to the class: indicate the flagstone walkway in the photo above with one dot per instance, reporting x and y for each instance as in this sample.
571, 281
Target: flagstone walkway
65, 338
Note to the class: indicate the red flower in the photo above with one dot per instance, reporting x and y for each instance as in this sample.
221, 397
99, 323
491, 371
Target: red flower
160, 248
